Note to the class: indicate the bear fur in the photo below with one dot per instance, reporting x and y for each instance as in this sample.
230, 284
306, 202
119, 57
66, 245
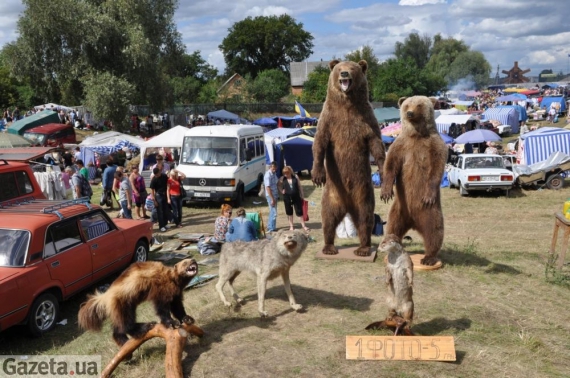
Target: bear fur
415, 162
347, 135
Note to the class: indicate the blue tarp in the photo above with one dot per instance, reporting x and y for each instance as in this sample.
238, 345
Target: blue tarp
224, 115
547, 101
298, 152
265, 122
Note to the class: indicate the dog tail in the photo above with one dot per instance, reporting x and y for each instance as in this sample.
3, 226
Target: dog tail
93, 313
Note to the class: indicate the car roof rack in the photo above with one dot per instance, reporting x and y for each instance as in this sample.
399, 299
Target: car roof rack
31, 205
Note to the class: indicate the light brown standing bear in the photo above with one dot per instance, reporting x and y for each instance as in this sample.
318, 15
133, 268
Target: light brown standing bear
415, 162
347, 135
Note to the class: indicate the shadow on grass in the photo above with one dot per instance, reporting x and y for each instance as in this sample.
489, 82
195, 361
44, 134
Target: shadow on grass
454, 257
216, 330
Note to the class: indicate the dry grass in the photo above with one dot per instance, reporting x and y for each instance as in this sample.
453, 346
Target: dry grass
491, 295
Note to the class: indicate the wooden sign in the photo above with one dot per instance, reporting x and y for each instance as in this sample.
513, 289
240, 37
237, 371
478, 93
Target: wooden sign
412, 348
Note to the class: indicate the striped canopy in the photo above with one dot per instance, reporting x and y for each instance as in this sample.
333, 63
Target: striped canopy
507, 116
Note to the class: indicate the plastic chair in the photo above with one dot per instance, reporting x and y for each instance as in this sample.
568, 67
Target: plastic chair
257, 220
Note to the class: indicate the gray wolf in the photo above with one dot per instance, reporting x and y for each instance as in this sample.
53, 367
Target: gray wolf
267, 259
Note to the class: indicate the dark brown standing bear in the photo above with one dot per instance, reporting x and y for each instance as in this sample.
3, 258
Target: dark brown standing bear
415, 162
347, 135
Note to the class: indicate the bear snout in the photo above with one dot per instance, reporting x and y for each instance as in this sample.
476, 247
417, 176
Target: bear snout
344, 74
410, 114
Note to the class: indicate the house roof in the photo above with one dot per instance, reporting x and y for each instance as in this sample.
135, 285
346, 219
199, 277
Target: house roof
299, 71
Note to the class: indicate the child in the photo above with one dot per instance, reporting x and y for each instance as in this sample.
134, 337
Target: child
149, 206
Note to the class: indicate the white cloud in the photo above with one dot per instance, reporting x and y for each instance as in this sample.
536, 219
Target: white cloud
421, 2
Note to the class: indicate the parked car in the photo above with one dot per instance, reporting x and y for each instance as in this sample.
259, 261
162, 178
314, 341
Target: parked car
480, 172
18, 181
51, 134
52, 250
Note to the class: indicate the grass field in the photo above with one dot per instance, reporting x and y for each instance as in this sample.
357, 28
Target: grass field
492, 295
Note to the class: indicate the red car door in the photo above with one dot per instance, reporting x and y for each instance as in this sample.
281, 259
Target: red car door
106, 244
67, 256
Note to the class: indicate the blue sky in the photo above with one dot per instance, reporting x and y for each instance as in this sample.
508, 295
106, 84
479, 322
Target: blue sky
534, 33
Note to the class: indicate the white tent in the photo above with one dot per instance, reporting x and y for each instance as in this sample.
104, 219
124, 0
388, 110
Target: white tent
445, 120
170, 138
107, 143
51, 105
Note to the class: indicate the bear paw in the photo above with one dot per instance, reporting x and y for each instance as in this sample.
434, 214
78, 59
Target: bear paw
188, 319
362, 251
318, 176
329, 250
431, 260
386, 196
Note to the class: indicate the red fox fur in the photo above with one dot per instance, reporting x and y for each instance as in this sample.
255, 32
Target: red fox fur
142, 281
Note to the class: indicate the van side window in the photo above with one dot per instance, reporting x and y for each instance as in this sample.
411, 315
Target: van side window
14, 184
242, 146
261, 145
61, 237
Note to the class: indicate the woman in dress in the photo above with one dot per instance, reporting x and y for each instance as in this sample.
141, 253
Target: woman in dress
139, 191
222, 224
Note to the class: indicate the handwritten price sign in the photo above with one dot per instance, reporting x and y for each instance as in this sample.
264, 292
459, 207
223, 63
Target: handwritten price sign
416, 348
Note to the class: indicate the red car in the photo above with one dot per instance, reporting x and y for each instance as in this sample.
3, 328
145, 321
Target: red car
51, 250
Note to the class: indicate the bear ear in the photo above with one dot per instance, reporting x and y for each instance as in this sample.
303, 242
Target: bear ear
333, 63
401, 100
433, 101
364, 65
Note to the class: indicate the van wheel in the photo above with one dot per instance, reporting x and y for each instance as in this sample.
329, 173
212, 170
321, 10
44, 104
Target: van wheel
240, 197
258, 185
43, 314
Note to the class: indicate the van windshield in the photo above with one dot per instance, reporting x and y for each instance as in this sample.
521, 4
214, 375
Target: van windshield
209, 151
35, 138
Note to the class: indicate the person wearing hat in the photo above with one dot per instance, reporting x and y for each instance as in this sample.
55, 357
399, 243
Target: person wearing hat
491, 149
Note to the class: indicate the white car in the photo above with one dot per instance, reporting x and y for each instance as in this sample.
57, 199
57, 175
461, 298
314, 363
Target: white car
480, 172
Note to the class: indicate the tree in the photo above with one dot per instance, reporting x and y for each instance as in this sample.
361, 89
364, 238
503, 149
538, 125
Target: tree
315, 88
416, 48
443, 54
107, 96
402, 78
257, 44
62, 44
185, 90
269, 86
470, 65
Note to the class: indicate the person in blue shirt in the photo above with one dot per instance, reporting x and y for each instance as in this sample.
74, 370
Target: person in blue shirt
271, 194
107, 181
241, 228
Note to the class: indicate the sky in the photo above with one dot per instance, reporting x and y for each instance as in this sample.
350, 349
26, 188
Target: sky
534, 33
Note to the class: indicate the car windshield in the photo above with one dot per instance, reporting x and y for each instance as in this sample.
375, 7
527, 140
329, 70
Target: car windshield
477, 162
35, 138
14, 246
209, 151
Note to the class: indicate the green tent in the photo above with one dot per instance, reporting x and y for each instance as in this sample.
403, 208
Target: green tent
387, 114
38, 119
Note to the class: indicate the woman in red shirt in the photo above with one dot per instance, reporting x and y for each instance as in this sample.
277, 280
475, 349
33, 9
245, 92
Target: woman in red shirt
173, 195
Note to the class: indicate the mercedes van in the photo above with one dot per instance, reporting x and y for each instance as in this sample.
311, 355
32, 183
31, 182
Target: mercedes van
222, 163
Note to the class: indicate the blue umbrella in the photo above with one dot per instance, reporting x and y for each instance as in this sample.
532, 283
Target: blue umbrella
446, 138
477, 136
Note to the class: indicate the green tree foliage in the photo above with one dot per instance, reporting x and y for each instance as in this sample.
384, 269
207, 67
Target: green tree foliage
63, 44
185, 90
444, 53
415, 48
402, 78
107, 96
209, 92
366, 53
257, 44
315, 88
470, 65
269, 86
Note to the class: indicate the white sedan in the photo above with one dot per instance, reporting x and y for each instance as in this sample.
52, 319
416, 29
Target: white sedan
480, 172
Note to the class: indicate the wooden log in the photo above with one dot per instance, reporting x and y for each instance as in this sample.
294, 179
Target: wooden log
175, 339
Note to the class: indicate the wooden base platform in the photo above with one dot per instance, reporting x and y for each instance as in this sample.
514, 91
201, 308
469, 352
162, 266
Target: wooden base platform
347, 253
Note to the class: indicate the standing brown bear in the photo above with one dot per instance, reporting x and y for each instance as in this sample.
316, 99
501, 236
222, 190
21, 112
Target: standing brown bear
416, 161
347, 135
